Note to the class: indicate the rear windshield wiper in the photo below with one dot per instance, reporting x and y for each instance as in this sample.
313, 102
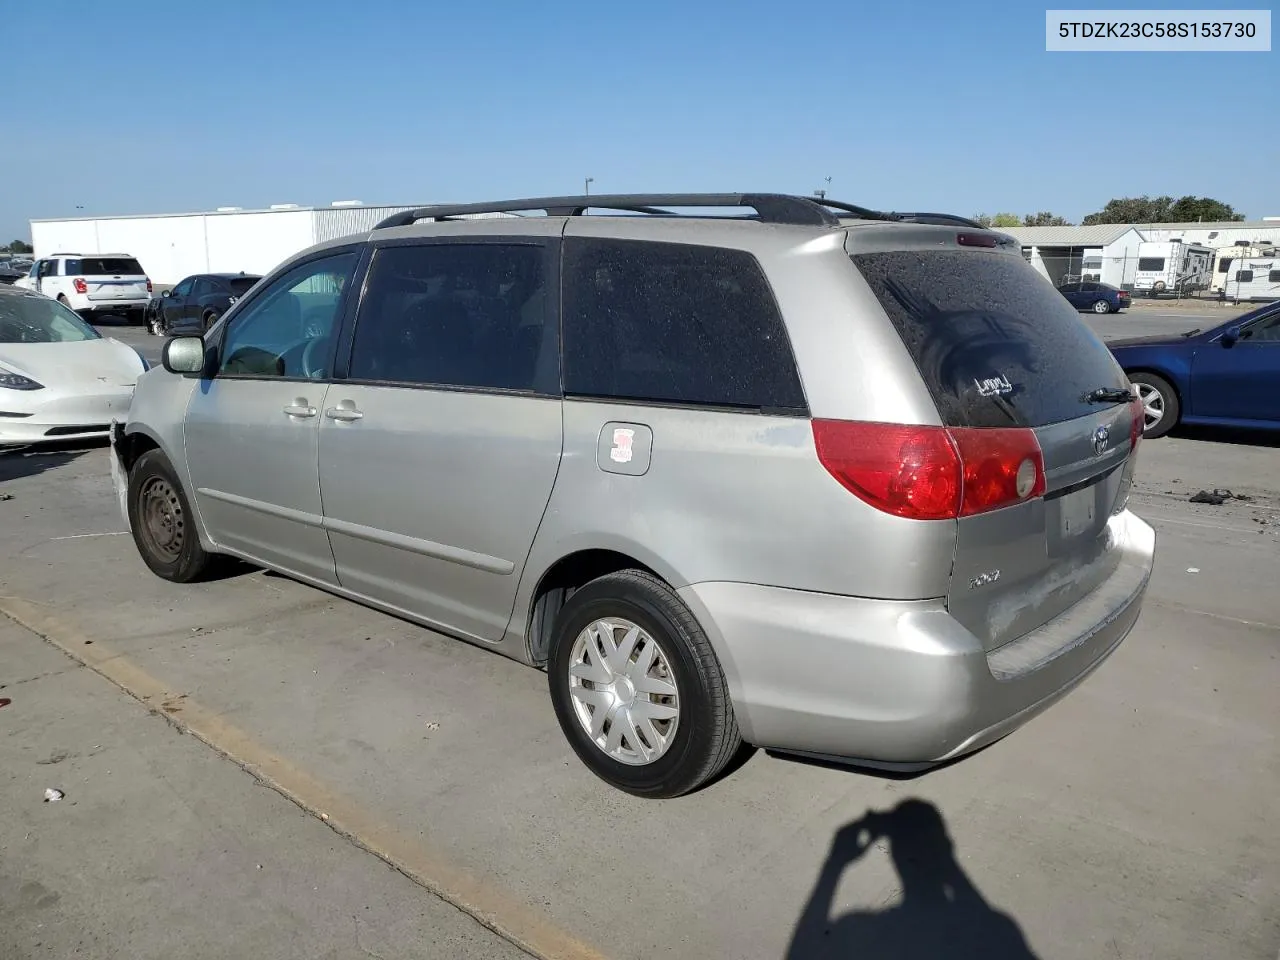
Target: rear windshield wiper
1108, 395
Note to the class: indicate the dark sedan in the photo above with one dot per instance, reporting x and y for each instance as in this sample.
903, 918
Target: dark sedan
1223, 377
195, 304
1098, 297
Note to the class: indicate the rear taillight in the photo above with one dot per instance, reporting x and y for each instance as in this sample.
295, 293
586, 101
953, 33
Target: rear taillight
1137, 422
148, 284
80, 285
931, 473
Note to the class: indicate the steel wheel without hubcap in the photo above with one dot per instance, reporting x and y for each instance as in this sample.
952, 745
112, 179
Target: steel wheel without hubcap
624, 692
162, 522
1152, 405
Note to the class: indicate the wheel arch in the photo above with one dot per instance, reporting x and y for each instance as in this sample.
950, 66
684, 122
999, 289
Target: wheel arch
558, 582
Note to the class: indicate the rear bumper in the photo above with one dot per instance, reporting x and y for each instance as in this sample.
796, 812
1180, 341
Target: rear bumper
901, 684
110, 306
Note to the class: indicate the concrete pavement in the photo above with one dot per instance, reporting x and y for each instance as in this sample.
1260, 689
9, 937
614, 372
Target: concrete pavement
1133, 820
160, 848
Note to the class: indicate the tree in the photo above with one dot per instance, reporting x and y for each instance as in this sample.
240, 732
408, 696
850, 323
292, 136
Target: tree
1045, 219
1146, 209
1042, 219
1206, 209
21, 246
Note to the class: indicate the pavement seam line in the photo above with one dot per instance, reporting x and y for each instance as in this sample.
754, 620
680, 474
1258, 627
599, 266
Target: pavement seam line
412, 857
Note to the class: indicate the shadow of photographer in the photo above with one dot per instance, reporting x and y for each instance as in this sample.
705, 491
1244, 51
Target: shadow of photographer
941, 913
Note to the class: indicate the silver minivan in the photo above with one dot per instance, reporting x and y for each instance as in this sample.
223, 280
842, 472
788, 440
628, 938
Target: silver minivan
776, 471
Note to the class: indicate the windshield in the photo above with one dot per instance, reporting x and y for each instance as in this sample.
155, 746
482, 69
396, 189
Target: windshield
41, 320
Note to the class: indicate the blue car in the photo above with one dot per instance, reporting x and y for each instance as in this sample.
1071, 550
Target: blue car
1225, 377
1098, 297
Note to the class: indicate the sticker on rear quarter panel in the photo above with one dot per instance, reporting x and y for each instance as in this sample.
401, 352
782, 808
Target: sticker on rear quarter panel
624, 448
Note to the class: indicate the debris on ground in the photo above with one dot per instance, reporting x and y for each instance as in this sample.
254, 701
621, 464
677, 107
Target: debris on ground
5, 496
1217, 497
5, 701
53, 796
1193, 569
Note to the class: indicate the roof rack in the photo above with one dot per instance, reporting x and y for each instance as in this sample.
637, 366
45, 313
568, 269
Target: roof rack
769, 207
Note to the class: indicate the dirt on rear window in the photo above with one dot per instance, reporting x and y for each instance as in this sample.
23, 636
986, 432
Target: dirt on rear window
996, 344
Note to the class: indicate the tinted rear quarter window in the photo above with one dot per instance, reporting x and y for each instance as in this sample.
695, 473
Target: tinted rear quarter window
109, 266
241, 285
674, 323
996, 344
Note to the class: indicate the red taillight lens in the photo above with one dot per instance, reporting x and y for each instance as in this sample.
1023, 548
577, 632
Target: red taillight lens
909, 471
80, 285
1137, 423
148, 284
931, 473
1001, 466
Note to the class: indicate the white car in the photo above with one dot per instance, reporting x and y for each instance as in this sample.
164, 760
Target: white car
92, 283
59, 378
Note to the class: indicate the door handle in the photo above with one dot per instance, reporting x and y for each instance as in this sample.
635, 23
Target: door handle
346, 414
300, 408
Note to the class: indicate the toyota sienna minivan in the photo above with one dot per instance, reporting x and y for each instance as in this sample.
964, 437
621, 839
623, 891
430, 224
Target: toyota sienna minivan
778, 470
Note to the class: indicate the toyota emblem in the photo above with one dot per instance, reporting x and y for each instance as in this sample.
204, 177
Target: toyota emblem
1101, 438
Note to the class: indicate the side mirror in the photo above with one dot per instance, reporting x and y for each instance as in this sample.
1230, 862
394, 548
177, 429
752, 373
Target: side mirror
1230, 336
183, 355
164, 293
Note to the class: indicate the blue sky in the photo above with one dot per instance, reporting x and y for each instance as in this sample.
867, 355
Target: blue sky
911, 105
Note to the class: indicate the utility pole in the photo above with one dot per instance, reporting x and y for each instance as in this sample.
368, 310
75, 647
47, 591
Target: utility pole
586, 185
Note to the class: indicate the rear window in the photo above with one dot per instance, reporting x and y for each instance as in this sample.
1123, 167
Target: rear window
674, 323
996, 344
107, 266
241, 285
1151, 264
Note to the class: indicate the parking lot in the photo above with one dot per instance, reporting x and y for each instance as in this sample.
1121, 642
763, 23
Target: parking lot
251, 767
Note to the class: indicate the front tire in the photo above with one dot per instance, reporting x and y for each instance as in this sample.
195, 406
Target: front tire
1160, 405
637, 688
160, 520
209, 320
1101, 306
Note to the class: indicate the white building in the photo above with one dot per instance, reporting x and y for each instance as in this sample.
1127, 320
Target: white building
1109, 252
229, 239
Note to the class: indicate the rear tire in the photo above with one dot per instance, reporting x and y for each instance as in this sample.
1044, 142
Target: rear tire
630, 663
1161, 408
1101, 306
160, 520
